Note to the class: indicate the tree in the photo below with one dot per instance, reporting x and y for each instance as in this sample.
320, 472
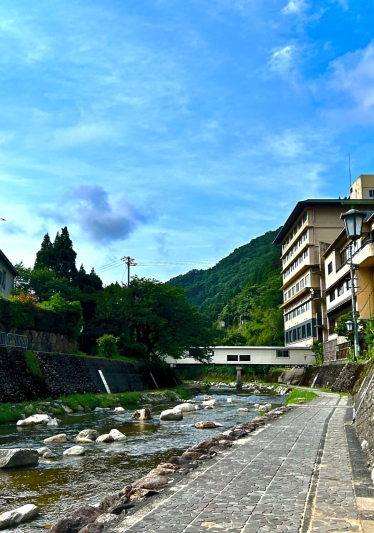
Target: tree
45, 256
153, 320
64, 256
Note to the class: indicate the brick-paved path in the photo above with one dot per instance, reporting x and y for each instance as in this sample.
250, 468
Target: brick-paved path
293, 476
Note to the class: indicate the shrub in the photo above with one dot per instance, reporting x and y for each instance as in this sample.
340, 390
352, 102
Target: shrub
108, 346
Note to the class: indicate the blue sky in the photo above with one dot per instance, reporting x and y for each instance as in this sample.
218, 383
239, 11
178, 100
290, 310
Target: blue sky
174, 131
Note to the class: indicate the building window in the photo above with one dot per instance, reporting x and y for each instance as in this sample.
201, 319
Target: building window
309, 330
283, 353
371, 193
329, 268
232, 357
332, 296
245, 358
341, 289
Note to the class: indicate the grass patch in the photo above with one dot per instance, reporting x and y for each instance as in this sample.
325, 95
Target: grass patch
300, 396
32, 364
9, 414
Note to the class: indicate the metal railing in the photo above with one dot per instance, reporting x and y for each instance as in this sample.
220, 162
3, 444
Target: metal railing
16, 341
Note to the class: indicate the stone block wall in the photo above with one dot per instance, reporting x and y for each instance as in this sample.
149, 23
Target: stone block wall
43, 341
64, 374
363, 402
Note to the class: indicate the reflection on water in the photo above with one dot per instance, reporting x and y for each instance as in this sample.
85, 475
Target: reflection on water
61, 486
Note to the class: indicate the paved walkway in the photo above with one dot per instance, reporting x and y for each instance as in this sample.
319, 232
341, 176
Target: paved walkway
293, 476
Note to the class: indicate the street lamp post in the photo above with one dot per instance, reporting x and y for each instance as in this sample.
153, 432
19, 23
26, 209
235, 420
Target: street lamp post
353, 220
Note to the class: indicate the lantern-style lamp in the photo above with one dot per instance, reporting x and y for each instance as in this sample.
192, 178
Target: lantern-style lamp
353, 220
349, 325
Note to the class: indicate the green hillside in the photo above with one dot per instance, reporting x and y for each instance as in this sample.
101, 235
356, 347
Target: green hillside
253, 264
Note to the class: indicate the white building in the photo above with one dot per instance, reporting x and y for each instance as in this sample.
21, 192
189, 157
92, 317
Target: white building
7, 275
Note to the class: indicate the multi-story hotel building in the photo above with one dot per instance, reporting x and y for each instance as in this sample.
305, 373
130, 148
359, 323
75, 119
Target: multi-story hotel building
312, 240
304, 238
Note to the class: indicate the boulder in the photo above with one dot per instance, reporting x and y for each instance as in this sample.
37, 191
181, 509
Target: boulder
105, 438
90, 434
161, 471
53, 422
15, 457
116, 435
77, 520
118, 409
43, 450
84, 440
100, 524
171, 415
67, 409
151, 482
187, 407
205, 424
75, 450
243, 409
142, 414
17, 516
56, 439
191, 456
101, 409
33, 420
209, 403
207, 407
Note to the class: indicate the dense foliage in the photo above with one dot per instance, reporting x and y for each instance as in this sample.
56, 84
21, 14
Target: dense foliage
210, 290
241, 294
234, 303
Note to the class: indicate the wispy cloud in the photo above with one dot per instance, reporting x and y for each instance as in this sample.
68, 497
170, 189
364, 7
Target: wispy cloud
282, 60
295, 7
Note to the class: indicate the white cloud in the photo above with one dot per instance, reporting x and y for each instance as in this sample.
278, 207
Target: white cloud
353, 74
282, 59
294, 7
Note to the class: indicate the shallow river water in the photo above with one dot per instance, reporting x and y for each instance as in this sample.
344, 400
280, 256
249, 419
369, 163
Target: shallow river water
60, 486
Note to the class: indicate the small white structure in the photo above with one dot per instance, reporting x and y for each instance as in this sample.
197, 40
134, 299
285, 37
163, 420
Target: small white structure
254, 355
7, 275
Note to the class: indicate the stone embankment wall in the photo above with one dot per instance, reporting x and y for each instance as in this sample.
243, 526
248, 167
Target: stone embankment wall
43, 341
63, 374
363, 402
337, 377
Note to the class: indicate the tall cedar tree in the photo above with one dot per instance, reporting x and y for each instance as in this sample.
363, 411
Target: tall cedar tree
64, 256
45, 256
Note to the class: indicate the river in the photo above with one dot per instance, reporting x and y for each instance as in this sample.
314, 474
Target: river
60, 486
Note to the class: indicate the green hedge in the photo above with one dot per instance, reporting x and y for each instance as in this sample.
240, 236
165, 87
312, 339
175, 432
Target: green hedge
24, 315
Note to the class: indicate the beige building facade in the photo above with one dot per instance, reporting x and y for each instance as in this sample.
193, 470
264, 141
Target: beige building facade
316, 267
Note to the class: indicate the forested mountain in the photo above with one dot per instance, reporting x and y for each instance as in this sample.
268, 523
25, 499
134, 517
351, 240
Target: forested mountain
241, 293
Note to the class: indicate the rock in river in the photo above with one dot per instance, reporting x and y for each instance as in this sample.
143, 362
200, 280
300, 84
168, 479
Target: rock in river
207, 425
142, 414
116, 435
34, 419
105, 438
171, 415
10, 458
187, 407
17, 516
75, 450
56, 439
90, 434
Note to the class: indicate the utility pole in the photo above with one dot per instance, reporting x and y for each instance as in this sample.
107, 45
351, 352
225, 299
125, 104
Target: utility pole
129, 262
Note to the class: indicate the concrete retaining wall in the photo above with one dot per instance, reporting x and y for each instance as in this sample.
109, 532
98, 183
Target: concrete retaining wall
68, 374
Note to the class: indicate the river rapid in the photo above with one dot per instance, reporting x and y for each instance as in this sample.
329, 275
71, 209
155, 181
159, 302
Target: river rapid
60, 486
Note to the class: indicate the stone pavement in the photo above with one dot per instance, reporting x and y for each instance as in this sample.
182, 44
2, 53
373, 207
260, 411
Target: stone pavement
292, 476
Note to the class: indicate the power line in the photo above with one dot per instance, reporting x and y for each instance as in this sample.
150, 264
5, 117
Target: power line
118, 263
